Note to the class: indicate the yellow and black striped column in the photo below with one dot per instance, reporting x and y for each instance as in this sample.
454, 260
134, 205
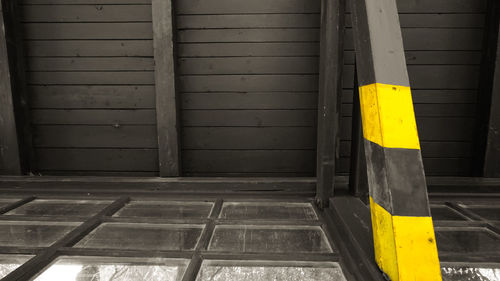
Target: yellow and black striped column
404, 239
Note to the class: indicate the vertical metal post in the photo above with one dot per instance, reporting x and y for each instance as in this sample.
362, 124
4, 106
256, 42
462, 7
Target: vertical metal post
330, 91
10, 162
167, 104
487, 154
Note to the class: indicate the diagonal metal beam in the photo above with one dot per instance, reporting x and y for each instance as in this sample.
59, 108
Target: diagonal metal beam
403, 232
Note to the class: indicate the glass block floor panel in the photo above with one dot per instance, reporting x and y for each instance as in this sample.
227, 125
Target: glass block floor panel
470, 272
267, 211
114, 269
41, 207
32, 234
474, 240
163, 237
267, 270
166, 210
445, 213
9, 263
269, 239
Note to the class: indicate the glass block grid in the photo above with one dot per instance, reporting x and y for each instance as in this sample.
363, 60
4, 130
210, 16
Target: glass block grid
124, 239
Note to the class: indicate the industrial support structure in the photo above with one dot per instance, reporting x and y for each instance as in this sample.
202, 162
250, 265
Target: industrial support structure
403, 231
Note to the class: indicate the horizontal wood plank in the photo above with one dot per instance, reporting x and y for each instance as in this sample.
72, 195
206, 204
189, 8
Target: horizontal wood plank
312, 20
97, 173
91, 64
255, 161
86, 13
91, 78
247, 7
261, 65
137, 160
89, 48
95, 136
220, 138
112, 97
276, 100
248, 21
305, 6
83, 2
248, 118
248, 83
114, 117
80, 31
266, 49
248, 35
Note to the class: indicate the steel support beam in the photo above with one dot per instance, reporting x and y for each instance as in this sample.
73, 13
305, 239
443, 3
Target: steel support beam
167, 103
403, 232
487, 156
358, 182
10, 161
330, 92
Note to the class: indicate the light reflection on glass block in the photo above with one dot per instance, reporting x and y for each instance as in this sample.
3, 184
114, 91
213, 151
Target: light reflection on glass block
141, 236
267, 211
32, 234
114, 269
9, 263
470, 273
269, 239
166, 210
269, 270
42, 207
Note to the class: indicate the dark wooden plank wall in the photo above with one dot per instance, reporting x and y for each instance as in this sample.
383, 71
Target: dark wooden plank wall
443, 42
91, 86
248, 77
249, 81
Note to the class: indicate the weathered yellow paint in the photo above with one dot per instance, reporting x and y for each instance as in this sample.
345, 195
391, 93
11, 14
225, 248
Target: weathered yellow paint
383, 240
416, 249
388, 116
405, 247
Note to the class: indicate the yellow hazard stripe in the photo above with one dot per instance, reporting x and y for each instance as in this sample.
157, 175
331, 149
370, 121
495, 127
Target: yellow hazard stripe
388, 116
405, 247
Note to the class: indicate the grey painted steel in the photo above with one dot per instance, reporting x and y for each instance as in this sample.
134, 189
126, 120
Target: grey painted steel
396, 180
379, 43
166, 96
10, 162
396, 176
330, 93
